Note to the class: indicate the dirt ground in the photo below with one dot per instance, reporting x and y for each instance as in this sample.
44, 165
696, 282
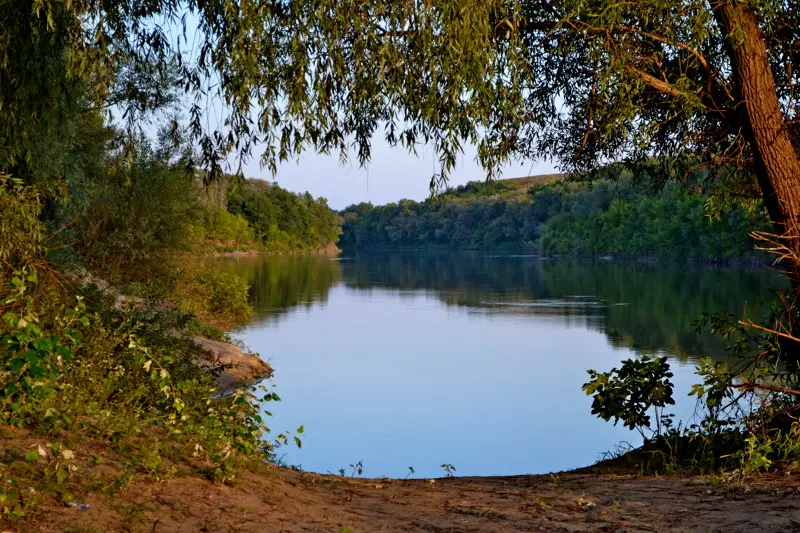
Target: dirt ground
282, 500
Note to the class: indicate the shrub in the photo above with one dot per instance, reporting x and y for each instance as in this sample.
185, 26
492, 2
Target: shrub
134, 222
628, 393
130, 375
223, 226
21, 233
217, 298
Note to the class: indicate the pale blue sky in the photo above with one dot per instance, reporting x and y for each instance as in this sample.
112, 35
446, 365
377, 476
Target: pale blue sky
392, 175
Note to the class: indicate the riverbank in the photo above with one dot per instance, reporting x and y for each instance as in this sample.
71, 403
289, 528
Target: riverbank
328, 250
273, 499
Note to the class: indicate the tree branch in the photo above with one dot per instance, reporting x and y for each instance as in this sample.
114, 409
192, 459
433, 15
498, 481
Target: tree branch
655, 83
696, 53
747, 385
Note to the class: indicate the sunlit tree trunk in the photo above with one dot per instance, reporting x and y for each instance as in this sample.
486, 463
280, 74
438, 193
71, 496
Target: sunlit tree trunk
776, 162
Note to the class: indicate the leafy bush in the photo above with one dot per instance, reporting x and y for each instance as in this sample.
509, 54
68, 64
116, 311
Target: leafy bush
129, 374
21, 233
32, 358
628, 393
216, 297
223, 226
135, 221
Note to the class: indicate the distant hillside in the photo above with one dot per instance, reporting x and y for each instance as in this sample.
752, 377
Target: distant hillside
500, 189
622, 217
523, 184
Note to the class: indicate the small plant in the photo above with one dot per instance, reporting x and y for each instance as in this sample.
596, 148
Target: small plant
616, 451
358, 468
410, 472
628, 393
449, 469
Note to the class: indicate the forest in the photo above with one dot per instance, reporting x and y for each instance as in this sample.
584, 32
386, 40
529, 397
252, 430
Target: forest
616, 215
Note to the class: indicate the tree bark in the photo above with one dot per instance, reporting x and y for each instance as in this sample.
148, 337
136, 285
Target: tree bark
776, 162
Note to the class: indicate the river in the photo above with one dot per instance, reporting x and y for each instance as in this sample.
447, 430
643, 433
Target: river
400, 360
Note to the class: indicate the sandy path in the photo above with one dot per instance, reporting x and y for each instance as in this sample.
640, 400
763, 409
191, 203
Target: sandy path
287, 501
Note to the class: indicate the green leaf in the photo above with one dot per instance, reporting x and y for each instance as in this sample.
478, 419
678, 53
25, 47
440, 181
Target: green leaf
33, 357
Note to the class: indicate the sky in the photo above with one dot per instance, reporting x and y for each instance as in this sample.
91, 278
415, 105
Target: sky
392, 175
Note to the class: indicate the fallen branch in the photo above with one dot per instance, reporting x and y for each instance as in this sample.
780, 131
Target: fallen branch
747, 385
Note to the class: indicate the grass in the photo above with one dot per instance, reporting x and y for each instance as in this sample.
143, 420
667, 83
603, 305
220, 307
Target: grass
523, 184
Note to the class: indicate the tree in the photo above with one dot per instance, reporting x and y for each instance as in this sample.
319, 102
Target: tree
581, 81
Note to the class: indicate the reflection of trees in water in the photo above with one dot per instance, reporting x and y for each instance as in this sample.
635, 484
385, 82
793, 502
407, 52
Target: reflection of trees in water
281, 283
648, 308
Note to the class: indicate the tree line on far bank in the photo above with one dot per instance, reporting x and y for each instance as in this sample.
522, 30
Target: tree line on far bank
617, 215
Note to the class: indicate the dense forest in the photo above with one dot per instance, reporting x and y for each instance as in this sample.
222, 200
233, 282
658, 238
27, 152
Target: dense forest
616, 215
281, 220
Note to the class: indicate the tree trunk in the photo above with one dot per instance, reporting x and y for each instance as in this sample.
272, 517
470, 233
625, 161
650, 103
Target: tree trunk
776, 162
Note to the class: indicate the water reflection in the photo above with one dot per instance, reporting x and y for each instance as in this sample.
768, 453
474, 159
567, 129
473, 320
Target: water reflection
649, 308
418, 359
279, 284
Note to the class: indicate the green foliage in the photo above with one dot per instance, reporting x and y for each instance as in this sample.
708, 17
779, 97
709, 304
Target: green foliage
21, 232
32, 359
478, 189
120, 373
620, 216
675, 225
223, 226
628, 393
523, 78
217, 297
283, 220
133, 222
748, 402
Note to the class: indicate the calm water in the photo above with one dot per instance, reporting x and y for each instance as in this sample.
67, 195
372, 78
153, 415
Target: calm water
407, 359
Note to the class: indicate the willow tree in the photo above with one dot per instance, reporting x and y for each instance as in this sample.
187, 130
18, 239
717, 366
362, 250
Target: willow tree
581, 81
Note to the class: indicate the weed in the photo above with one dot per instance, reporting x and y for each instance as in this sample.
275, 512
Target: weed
449, 469
358, 468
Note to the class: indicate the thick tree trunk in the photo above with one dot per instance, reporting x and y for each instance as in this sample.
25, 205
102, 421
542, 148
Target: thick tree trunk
777, 163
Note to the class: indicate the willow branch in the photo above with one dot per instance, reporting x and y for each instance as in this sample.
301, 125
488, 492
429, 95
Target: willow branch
655, 83
683, 46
